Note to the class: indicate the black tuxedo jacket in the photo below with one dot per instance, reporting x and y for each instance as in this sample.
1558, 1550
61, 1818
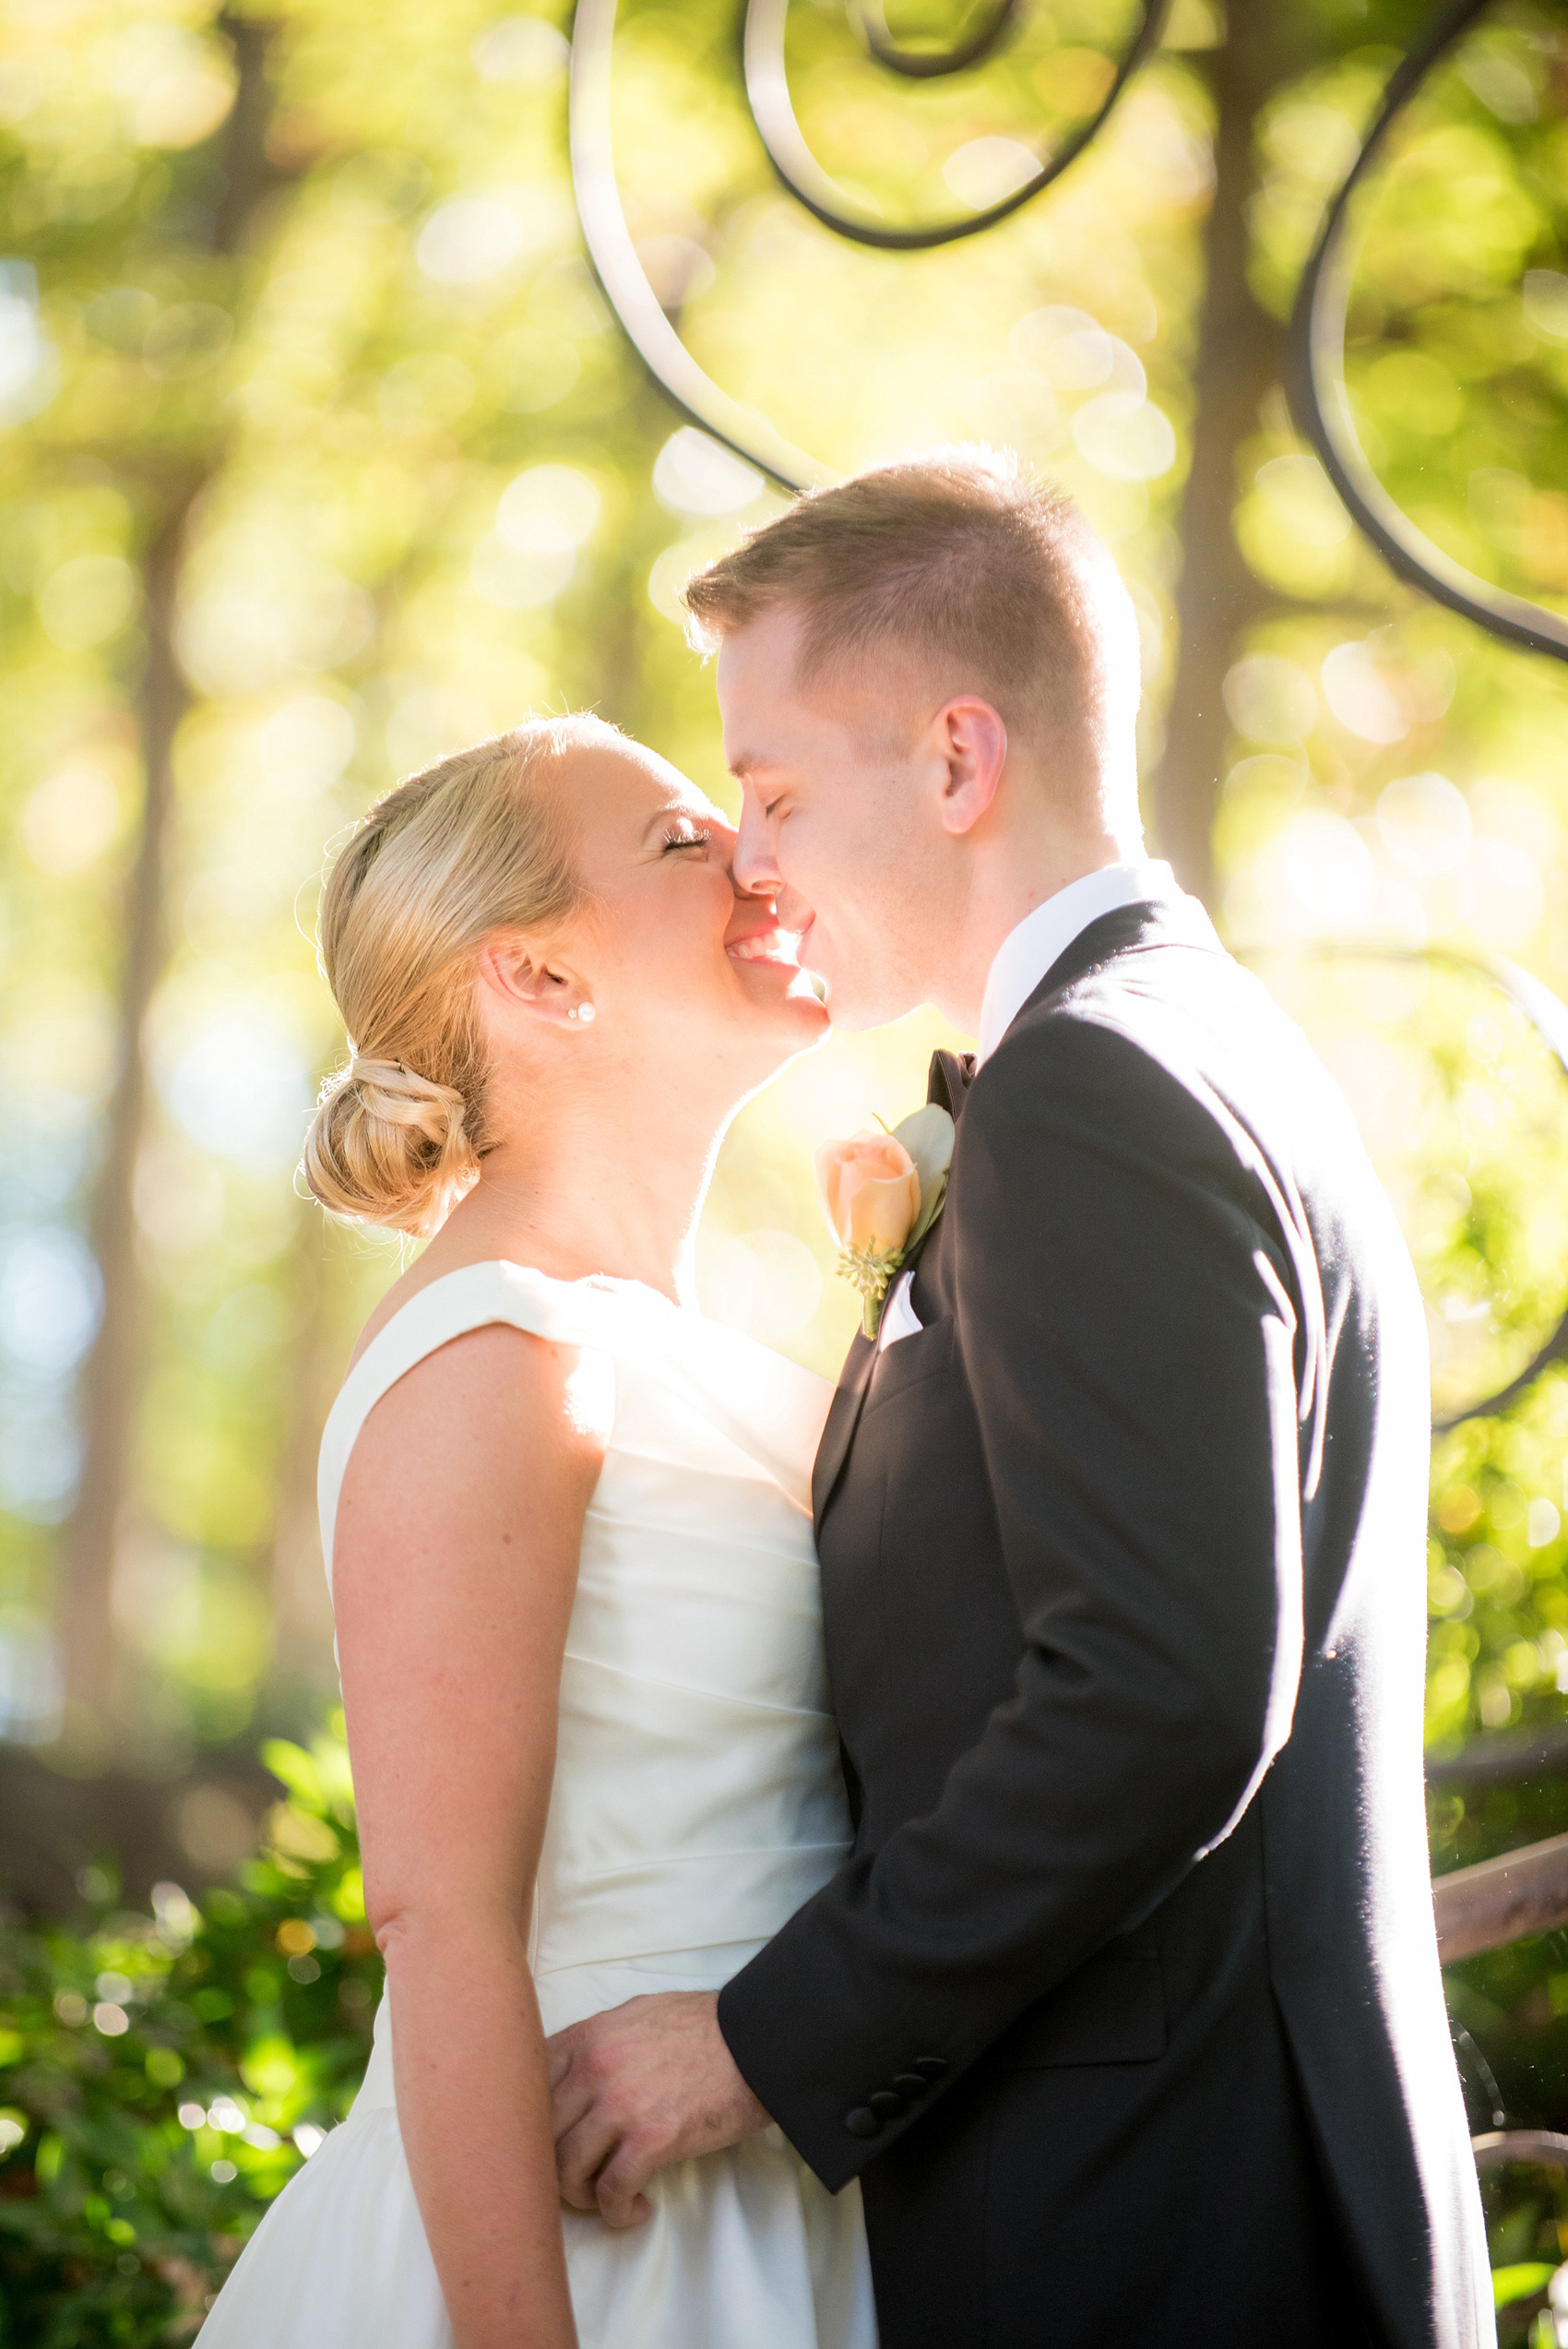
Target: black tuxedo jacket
1126, 2010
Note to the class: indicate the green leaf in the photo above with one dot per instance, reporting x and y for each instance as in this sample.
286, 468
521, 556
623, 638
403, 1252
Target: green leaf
932, 1204
1509, 2284
270, 2066
347, 1900
300, 1772
927, 1135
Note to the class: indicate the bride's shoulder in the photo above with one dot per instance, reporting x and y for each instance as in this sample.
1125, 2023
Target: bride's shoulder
441, 1295
448, 1344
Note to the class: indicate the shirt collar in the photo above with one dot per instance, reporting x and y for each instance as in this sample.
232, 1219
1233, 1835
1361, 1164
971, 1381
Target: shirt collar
1028, 952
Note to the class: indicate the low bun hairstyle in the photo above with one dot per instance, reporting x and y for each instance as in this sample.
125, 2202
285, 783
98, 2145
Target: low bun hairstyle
472, 846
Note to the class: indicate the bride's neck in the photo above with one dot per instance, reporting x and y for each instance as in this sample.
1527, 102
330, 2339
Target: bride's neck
598, 1189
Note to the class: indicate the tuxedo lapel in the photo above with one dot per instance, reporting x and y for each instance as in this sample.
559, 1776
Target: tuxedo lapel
843, 1417
1158, 922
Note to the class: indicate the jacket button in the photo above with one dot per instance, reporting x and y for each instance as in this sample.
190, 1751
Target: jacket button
886, 2102
931, 2067
909, 2083
861, 2121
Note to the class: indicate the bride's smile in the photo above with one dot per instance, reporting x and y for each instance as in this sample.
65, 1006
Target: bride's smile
772, 945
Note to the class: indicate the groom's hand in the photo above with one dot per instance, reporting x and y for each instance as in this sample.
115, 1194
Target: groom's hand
637, 2088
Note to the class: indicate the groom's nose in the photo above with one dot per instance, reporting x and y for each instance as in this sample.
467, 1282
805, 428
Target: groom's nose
754, 863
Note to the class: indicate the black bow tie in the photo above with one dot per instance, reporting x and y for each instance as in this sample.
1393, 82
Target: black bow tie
952, 1074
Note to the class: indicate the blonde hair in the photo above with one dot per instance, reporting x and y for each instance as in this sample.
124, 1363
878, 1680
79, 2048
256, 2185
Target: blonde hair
472, 846
992, 579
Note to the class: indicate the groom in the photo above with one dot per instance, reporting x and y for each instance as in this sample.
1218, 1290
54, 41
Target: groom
1125, 2010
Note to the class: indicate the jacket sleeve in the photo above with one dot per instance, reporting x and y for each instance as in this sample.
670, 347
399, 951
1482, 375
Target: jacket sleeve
1126, 1328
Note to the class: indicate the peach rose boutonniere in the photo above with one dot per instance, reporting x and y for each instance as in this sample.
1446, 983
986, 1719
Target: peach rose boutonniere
881, 1194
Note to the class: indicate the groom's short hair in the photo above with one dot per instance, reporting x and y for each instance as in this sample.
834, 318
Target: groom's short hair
960, 564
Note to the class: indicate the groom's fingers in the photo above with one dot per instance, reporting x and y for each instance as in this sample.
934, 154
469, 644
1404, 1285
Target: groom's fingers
619, 2186
581, 2155
571, 2097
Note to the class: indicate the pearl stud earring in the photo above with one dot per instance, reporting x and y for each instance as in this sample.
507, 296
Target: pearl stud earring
584, 1012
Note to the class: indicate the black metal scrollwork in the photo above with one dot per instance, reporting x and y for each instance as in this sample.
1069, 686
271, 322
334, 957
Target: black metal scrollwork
625, 281
925, 64
768, 92
1317, 388
614, 252
1322, 408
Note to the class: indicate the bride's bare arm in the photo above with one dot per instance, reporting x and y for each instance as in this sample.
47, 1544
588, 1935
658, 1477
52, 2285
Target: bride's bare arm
454, 1564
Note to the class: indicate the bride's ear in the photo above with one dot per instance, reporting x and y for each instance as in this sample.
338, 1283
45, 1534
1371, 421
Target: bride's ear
524, 979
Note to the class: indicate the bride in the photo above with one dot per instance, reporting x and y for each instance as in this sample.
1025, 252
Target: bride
565, 1521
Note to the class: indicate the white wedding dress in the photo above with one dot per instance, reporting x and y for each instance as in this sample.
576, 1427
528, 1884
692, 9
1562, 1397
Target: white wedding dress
696, 1802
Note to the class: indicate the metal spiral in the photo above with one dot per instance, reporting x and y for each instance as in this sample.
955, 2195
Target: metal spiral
625, 281
1321, 407
1318, 396
768, 93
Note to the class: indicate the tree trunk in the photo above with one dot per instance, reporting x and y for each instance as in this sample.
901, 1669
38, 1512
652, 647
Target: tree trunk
108, 1389
240, 175
302, 1608
1240, 356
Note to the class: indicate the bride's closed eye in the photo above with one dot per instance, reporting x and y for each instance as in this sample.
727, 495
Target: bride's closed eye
687, 836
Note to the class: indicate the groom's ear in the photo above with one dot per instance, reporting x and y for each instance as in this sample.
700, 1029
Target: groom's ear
521, 977
973, 743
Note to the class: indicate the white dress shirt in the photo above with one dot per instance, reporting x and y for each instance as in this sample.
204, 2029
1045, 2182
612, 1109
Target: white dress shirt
1022, 960
1028, 952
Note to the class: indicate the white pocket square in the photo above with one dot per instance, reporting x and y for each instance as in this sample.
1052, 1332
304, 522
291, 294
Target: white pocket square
899, 1318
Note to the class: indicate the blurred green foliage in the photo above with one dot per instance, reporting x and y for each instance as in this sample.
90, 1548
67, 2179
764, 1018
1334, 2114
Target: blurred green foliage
164, 2074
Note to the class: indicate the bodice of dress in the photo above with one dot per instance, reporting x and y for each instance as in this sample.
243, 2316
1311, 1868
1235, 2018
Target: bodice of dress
698, 1798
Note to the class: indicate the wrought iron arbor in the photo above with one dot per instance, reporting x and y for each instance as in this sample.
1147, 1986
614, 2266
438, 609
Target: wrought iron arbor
1317, 392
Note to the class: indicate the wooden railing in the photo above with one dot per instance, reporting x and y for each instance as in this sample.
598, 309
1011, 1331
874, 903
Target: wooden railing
1499, 1901
1518, 1894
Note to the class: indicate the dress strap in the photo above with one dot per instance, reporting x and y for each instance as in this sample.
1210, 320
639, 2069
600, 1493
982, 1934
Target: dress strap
572, 1313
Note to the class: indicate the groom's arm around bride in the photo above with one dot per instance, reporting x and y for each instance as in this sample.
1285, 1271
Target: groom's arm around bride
1125, 2010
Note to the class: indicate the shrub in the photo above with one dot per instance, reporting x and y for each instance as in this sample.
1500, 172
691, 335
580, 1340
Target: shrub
164, 2072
